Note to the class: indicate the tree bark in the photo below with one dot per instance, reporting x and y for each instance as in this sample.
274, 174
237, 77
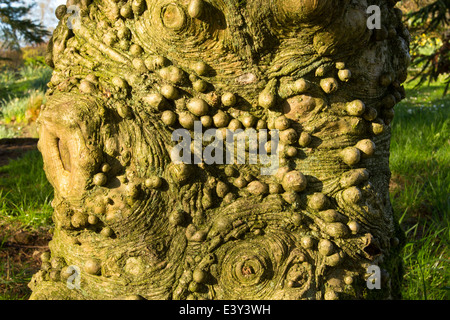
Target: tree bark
140, 226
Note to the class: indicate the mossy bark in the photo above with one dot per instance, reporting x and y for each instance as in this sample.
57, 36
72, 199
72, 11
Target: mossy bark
138, 225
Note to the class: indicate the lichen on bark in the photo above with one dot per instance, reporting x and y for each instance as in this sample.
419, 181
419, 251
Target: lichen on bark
139, 226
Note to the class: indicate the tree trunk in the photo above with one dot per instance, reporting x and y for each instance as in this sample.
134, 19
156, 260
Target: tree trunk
133, 222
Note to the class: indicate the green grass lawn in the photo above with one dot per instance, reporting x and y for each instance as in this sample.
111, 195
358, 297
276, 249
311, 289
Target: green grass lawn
420, 189
25, 193
25, 220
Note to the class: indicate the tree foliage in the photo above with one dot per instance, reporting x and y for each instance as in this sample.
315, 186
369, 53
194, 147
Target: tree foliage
16, 27
432, 20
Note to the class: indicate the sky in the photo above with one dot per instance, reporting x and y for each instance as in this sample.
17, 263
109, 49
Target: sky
44, 11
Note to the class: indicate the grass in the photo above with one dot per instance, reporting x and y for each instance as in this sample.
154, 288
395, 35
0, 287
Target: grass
6, 133
15, 280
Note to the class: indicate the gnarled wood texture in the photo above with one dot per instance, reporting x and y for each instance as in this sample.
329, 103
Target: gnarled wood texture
138, 225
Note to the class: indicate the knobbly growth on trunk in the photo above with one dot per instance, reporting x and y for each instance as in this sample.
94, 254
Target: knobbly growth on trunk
309, 79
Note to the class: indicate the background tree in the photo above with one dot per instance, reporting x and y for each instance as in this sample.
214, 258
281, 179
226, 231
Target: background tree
15, 26
429, 22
